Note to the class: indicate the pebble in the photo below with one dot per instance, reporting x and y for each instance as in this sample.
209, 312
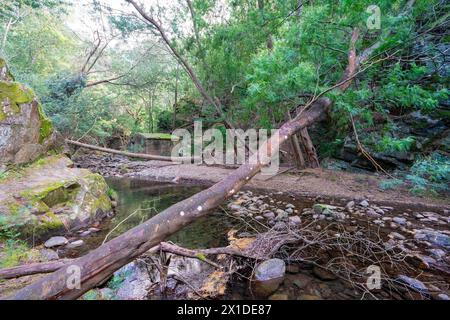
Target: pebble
396, 235
364, 203
443, 296
55, 242
399, 220
415, 284
269, 215
295, 220
75, 244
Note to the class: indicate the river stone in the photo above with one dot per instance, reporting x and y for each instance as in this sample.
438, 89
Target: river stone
433, 236
48, 255
364, 203
279, 296
323, 209
75, 244
269, 215
134, 281
268, 276
414, 284
399, 220
55, 242
295, 220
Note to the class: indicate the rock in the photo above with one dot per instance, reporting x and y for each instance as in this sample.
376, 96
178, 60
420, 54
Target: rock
55, 242
414, 284
84, 233
259, 218
234, 207
350, 205
269, 215
292, 268
50, 196
301, 281
399, 220
295, 220
323, 209
75, 244
323, 274
309, 297
279, 296
421, 261
132, 281
437, 253
268, 276
364, 203
443, 296
371, 213
435, 237
48, 255
396, 235
280, 226
25, 131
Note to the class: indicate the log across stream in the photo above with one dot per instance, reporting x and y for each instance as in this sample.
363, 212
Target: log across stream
139, 200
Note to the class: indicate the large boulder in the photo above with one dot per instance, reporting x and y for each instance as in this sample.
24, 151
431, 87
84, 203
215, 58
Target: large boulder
50, 196
25, 132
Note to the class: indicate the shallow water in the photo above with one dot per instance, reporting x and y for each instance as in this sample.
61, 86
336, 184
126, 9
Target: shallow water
140, 200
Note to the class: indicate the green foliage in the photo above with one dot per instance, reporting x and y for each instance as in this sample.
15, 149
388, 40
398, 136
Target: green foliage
390, 184
430, 174
14, 250
389, 144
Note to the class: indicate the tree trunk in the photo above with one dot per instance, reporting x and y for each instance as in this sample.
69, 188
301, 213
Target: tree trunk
313, 159
98, 265
128, 154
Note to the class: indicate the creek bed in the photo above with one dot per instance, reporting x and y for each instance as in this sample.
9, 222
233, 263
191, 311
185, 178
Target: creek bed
139, 200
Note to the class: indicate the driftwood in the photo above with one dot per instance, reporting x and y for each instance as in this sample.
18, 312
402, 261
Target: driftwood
129, 154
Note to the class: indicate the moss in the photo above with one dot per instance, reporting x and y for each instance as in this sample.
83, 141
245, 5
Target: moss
14, 252
46, 128
15, 93
159, 136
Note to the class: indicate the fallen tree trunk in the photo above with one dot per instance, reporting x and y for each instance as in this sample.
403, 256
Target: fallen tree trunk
129, 154
51, 266
33, 268
99, 264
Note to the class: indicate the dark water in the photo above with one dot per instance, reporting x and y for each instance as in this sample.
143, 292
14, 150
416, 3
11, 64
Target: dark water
139, 200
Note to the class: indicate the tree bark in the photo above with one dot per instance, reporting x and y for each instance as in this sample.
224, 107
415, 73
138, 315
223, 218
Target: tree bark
33, 268
99, 264
313, 159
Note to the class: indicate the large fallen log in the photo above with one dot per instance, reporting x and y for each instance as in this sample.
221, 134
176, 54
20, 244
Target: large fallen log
99, 264
129, 154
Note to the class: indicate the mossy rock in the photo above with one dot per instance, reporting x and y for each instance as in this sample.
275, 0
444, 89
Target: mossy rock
49, 197
23, 124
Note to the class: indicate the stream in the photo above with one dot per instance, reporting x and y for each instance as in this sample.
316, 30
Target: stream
139, 200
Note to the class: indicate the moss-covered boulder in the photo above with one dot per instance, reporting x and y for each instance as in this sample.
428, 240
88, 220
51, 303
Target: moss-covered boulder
25, 132
50, 196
